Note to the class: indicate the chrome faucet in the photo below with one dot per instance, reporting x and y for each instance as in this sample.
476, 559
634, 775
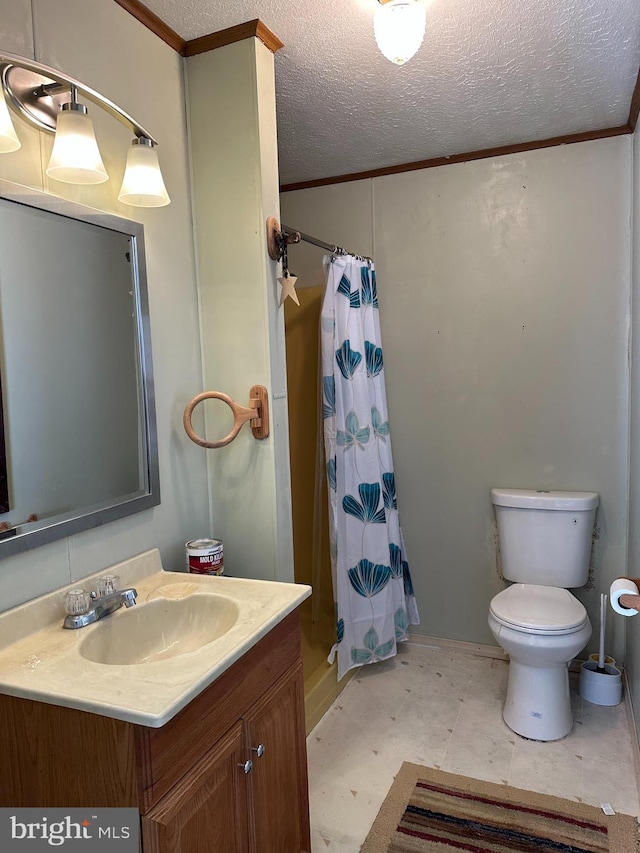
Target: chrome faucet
102, 607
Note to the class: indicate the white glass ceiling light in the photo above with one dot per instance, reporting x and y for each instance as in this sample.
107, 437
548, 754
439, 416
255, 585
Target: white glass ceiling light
8, 137
399, 26
142, 184
75, 158
40, 95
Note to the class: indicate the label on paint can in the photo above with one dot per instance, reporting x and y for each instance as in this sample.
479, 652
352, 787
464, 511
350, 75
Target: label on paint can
205, 557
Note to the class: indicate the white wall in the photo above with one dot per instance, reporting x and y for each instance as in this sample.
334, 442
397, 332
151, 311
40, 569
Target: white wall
504, 289
632, 625
105, 47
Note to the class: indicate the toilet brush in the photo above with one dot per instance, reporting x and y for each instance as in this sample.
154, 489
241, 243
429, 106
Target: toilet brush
601, 681
603, 622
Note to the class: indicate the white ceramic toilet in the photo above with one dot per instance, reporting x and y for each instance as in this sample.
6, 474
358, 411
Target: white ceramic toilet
545, 544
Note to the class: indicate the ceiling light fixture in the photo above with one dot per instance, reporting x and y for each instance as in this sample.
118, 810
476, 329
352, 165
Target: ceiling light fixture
48, 99
399, 26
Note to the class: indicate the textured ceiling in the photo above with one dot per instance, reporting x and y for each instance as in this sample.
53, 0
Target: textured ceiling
489, 73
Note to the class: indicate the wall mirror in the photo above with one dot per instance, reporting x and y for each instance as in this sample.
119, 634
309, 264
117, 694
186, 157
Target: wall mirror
78, 444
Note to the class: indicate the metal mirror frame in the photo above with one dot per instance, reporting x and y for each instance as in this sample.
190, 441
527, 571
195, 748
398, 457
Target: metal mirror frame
35, 534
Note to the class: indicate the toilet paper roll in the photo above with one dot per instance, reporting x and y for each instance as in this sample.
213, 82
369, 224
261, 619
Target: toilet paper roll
622, 586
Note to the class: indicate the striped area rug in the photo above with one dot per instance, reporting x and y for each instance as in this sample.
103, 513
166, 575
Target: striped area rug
429, 811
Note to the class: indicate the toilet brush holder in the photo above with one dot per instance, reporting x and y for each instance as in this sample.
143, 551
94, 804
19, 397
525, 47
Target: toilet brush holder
600, 688
608, 660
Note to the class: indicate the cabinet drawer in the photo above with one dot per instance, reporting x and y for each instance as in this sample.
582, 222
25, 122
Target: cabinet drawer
168, 753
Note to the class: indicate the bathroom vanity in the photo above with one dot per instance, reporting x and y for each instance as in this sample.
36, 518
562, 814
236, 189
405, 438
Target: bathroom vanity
226, 772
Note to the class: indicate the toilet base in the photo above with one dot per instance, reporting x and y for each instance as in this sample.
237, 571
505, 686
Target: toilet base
538, 703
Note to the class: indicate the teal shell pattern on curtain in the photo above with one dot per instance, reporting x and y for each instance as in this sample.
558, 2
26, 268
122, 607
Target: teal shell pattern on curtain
373, 589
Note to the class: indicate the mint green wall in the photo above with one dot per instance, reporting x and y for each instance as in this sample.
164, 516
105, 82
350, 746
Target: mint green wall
235, 180
105, 47
632, 625
504, 289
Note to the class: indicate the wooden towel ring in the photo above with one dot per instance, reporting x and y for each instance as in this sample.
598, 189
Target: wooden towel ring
257, 413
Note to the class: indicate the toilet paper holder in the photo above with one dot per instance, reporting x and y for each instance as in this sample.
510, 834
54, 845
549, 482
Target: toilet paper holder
631, 601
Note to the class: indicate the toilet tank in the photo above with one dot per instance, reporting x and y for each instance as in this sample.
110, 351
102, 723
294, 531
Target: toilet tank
545, 537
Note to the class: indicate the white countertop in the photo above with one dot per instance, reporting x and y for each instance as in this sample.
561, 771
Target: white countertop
39, 659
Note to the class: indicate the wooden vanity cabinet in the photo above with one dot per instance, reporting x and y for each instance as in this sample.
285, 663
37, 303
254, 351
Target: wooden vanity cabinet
190, 778
206, 810
277, 798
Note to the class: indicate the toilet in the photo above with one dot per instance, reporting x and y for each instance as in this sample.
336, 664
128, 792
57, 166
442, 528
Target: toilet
545, 545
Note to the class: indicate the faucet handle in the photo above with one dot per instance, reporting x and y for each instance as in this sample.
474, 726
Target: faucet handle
76, 602
106, 585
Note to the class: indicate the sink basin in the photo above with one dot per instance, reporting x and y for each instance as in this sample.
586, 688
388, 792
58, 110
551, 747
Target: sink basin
159, 630
145, 664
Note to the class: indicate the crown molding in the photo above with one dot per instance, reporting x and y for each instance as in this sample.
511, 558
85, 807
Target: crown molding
250, 29
635, 106
460, 158
154, 23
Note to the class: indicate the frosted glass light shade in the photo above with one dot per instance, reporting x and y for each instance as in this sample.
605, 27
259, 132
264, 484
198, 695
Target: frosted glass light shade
75, 158
8, 137
143, 185
399, 27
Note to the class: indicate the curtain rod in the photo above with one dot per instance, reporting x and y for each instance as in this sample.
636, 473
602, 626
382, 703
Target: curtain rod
297, 236
280, 236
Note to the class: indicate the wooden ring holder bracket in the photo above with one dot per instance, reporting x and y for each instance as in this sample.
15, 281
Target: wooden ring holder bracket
257, 413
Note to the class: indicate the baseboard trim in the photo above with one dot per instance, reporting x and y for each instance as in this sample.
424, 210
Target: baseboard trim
631, 721
321, 691
478, 649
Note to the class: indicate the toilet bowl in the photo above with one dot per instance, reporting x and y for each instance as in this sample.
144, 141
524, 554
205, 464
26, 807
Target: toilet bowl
545, 543
542, 629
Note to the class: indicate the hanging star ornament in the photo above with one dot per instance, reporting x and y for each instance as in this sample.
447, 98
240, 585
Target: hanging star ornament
288, 283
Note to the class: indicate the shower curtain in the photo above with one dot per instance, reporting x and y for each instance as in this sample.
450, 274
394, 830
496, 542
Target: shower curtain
372, 586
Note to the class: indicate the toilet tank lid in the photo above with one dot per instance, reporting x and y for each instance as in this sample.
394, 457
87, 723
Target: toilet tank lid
542, 499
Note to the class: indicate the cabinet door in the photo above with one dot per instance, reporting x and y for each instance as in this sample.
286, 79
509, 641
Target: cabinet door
278, 787
206, 811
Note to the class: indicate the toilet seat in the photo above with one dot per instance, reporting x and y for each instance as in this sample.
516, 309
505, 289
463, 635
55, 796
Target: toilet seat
534, 609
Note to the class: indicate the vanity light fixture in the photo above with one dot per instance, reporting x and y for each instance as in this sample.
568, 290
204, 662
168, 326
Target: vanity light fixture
8, 137
142, 184
75, 158
48, 99
399, 26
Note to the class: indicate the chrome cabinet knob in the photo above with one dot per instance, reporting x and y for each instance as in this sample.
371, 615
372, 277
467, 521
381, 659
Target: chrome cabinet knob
247, 766
259, 750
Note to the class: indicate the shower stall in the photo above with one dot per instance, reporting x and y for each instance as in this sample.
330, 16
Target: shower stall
309, 501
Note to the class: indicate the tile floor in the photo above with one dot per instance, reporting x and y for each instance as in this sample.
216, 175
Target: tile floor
443, 708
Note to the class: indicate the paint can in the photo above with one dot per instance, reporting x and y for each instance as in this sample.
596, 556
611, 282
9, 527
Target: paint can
205, 557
